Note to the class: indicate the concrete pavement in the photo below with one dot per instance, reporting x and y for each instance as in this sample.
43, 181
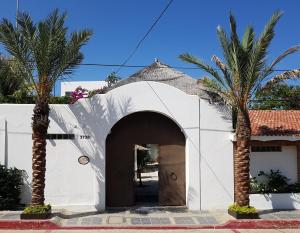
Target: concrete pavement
151, 219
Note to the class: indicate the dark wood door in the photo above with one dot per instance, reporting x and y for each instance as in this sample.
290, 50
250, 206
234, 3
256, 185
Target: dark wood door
171, 175
121, 191
145, 128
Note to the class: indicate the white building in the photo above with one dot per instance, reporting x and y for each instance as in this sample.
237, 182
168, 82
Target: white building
157, 105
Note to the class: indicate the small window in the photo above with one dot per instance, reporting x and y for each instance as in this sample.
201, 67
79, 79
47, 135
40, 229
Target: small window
60, 136
266, 148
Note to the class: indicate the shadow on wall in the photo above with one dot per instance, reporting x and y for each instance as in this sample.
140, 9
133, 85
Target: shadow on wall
192, 195
283, 200
224, 111
26, 189
95, 117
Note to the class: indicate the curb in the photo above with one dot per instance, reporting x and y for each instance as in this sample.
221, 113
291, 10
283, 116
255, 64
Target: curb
231, 224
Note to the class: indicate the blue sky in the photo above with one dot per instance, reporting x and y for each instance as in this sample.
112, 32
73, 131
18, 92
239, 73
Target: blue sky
188, 26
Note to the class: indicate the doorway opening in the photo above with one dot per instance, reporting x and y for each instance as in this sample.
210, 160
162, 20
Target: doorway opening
146, 173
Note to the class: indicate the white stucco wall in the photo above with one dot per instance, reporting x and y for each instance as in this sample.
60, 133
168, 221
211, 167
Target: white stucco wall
69, 183
285, 161
279, 201
216, 161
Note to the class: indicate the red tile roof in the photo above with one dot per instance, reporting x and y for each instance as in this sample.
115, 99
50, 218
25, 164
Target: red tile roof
275, 122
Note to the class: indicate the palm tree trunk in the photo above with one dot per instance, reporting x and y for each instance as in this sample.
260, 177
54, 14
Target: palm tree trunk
242, 159
40, 123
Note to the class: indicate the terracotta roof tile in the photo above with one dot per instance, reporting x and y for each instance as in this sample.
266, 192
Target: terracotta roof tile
275, 122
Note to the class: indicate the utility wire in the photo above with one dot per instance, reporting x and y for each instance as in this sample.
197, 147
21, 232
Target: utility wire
145, 36
144, 66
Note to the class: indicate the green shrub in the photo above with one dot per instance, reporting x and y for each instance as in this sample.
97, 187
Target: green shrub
39, 209
60, 99
10, 187
295, 188
11, 99
272, 182
242, 209
275, 181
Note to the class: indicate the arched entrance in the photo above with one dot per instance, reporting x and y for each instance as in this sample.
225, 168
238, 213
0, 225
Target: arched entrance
144, 128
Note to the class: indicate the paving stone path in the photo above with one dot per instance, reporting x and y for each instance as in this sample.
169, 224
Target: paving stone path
148, 216
145, 217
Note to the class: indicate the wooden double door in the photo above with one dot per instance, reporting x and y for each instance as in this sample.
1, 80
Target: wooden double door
145, 128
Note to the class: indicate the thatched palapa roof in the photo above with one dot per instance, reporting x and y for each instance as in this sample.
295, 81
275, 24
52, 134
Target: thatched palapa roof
163, 73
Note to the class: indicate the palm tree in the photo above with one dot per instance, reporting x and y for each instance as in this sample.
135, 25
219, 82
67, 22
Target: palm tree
44, 53
243, 72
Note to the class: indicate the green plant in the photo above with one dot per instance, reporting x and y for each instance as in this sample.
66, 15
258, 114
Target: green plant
10, 183
143, 158
10, 79
295, 188
256, 186
272, 182
112, 79
60, 100
242, 209
279, 96
12, 99
37, 209
275, 181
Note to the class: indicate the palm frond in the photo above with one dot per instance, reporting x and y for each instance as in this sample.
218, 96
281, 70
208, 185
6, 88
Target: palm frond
239, 59
245, 66
226, 72
44, 49
72, 56
263, 43
257, 62
226, 46
219, 63
194, 60
215, 87
290, 74
289, 51
15, 42
248, 39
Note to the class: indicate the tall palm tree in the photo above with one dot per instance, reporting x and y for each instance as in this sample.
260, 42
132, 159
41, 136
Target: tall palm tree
243, 72
45, 52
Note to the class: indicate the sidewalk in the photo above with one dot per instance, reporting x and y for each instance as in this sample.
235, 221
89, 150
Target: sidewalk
151, 218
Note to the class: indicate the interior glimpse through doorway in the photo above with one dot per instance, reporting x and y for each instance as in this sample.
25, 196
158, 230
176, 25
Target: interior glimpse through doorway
146, 170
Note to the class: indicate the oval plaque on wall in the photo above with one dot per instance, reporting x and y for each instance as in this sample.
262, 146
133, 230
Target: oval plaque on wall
83, 160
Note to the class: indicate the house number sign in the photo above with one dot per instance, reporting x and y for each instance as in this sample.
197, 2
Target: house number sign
84, 137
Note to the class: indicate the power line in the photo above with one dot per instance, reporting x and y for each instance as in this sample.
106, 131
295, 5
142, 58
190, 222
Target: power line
145, 36
135, 66
166, 67
145, 66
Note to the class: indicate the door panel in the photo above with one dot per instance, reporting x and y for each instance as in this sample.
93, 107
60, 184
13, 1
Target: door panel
121, 185
172, 175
